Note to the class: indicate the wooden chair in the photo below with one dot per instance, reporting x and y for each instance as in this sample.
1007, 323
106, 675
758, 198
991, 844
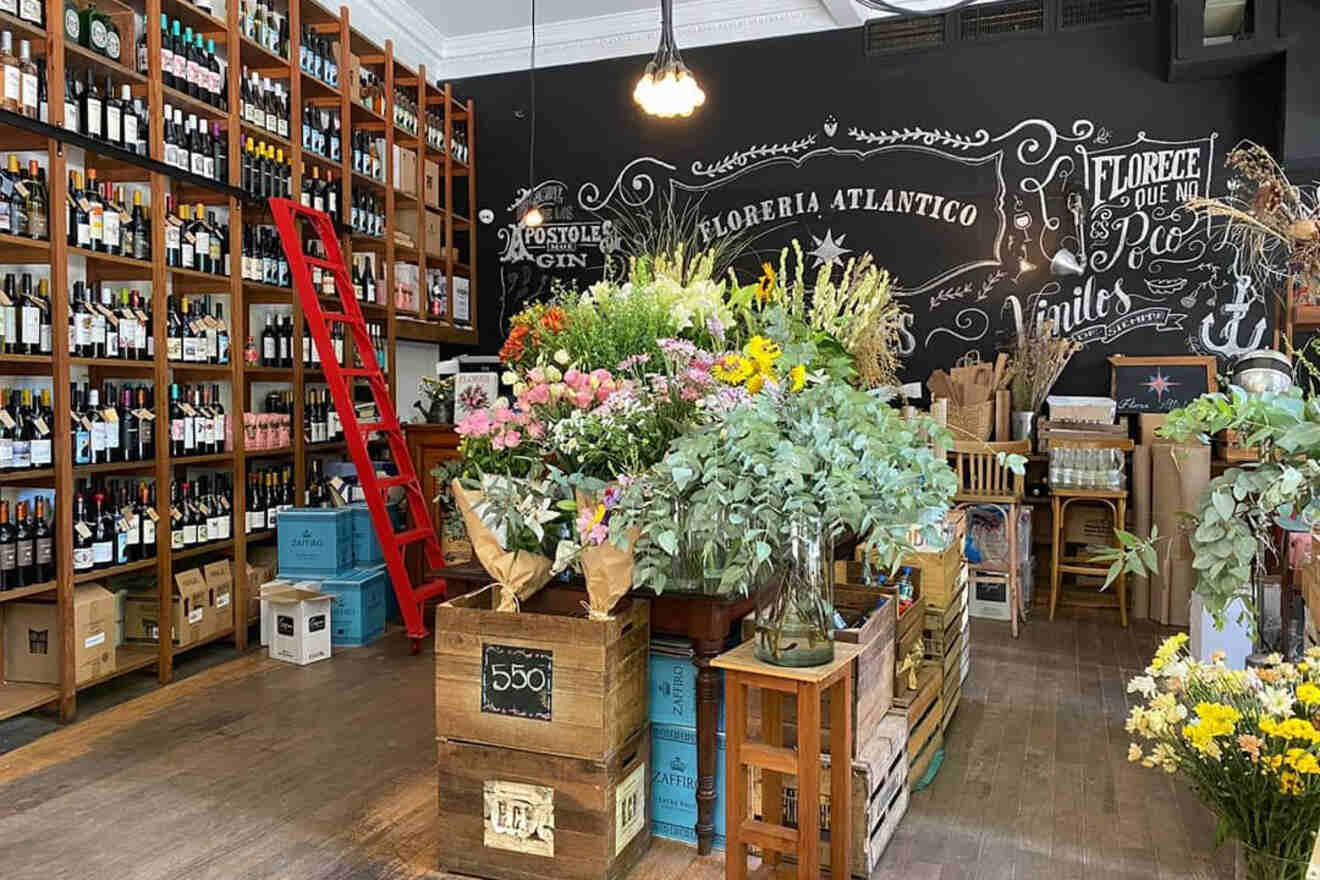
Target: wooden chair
982, 479
1063, 496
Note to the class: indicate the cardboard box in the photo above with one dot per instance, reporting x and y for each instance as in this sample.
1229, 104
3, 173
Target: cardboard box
434, 238
674, 784
431, 181
1088, 524
191, 620
32, 642
673, 683
256, 576
1148, 424
405, 170
315, 542
265, 592
353, 80
359, 606
219, 595
301, 626
1180, 476
1098, 410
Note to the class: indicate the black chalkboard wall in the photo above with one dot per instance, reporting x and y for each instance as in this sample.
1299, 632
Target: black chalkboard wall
965, 173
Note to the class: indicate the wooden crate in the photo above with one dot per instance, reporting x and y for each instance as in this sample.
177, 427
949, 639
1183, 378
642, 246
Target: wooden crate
873, 675
879, 800
909, 636
510, 814
924, 740
545, 679
942, 574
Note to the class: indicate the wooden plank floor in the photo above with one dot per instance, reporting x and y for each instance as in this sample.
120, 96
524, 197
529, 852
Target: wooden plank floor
257, 769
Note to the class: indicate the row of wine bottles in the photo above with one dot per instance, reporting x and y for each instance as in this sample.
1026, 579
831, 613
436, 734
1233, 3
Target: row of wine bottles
266, 173
264, 104
316, 58
27, 544
188, 63
114, 523
24, 200
112, 424
195, 335
26, 433
112, 116
265, 26
102, 220
198, 424
320, 132
201, 511
269, 493
102, 325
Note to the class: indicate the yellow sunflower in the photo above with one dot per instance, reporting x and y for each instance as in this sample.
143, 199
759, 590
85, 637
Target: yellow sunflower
764, 352
734, 369
765, 288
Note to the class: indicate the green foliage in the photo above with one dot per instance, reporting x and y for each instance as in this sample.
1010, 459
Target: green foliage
1232, 528
614, 324
715, 512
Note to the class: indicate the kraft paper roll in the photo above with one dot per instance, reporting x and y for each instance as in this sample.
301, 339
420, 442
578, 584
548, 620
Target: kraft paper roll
939, 411
1003, 415
1141, 605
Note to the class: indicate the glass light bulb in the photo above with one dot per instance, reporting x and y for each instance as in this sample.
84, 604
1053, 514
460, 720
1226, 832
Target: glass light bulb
533, 217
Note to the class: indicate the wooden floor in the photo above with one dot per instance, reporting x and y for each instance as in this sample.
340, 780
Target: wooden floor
258, 769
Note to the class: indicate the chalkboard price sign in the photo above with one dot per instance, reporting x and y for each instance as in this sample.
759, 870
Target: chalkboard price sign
1160, 384
517, 681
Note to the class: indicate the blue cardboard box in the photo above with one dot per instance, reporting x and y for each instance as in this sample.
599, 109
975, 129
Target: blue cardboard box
674, 690
366, 549
315, 541
674, 784
358, 614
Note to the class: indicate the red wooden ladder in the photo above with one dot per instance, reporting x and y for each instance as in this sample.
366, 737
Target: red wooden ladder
420, 530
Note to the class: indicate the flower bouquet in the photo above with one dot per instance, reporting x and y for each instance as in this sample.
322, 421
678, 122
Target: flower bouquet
1246, 742
511, 509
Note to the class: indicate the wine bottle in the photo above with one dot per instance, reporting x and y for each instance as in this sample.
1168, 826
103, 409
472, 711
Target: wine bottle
45, 545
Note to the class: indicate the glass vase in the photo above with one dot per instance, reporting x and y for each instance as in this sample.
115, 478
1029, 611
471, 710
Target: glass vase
795, 607
1255, 864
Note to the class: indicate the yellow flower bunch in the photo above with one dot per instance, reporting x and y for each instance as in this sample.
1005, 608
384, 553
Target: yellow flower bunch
1308, 694
1291, 728
1166, 652
756, 365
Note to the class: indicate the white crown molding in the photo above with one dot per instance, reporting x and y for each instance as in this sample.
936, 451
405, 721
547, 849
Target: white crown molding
416, 40
698, 23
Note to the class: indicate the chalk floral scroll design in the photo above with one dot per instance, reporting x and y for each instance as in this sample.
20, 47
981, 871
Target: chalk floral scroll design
970, 325
743, 158
930, 137
640, 189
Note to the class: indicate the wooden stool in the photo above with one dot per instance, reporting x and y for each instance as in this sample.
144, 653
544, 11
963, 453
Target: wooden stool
742, 670
1116, 501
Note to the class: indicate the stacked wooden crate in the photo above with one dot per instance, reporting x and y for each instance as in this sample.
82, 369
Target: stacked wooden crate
919, 711
879, 796
544, 739
946, 629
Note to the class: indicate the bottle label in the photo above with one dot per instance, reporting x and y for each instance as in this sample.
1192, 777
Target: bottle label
112, 45
189, 434
6, 452
181, 70
148, 531
130, 130
110, 228
13, 84
41, 452
189, 534
8, 557
113, 128
176, 539
46, 550
31, 325
103, 553
93, 116
83, 559
97, 35
166, 59
98, 438
82, 447
10, 6
29, 87
176, 430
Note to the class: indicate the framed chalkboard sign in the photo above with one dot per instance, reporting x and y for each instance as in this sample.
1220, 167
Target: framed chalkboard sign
517, 681
1160, 384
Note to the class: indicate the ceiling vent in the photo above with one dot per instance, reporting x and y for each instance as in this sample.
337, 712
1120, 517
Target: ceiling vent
1002, 20
884, 35
1090, 13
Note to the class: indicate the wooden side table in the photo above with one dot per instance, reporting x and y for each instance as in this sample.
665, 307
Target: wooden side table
742, 670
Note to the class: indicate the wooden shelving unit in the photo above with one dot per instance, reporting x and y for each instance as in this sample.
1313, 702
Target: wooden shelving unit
65, 149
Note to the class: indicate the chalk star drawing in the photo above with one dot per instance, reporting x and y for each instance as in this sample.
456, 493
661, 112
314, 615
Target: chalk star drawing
828, 251
1159, 383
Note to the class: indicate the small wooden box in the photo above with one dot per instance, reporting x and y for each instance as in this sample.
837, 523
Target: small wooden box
510, 814
544, 679
942, 574
880, 797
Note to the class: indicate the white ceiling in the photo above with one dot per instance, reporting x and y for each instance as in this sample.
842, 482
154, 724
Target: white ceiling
461, 38
457, 18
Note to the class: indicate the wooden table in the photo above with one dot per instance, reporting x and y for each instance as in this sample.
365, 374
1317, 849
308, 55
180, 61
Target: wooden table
743, 670
705, 619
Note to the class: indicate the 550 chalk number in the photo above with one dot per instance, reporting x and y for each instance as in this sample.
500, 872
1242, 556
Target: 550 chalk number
517, 681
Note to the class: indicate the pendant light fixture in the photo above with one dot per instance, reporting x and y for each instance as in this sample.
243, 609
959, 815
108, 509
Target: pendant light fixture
531, 211
667, 88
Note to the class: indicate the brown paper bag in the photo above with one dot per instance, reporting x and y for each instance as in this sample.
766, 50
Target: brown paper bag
607, 569
519, 573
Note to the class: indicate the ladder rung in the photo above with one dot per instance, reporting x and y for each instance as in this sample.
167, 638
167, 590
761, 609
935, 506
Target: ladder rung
337, 316
360, 372
776, 838
323, 263
412, 536
776, 758
430, 590
391, 482
373, 427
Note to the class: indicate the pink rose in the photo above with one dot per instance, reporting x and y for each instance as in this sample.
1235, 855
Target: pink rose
497, 441
599, 377
522, 417
538, 394
536, 430
536, 376
572, 377
583, 399
512, 439
603, 393
502, 415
